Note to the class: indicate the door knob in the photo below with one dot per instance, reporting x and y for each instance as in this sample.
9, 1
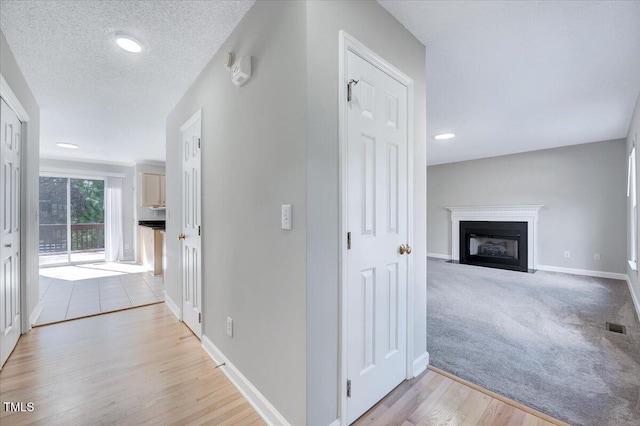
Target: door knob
182, 237
405, 249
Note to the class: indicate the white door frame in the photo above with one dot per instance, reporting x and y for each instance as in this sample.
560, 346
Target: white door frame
350, 44
14, 103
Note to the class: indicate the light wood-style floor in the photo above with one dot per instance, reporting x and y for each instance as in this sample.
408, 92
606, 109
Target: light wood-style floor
142, 366
134, 367
438, 398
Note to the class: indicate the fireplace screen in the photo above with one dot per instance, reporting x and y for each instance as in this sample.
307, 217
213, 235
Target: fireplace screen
494, 244
495, 247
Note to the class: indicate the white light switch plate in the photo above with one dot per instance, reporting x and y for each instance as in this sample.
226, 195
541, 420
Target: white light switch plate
286, 217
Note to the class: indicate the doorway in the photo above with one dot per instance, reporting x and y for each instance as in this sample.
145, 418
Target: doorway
71, 220
376, 227
10, 222
191, 229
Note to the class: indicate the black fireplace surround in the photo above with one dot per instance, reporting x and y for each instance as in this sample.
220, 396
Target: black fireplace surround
494, 244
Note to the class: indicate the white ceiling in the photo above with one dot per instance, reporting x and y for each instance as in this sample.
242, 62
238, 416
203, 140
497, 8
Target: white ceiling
110, 102
517, 76
505, 77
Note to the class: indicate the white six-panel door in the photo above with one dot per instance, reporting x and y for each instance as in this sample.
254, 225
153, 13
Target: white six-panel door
377, 207
191, 226
10, 236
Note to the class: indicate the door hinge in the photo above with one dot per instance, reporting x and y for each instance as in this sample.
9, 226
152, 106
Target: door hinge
199, 230
354, 82
348, 388
348, 240
200, 318
198, 143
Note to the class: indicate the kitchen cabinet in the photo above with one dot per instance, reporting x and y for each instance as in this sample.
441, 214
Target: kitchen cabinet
152, 190
151, 244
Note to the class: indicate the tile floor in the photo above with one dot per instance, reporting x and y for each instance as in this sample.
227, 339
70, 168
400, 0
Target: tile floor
68, 292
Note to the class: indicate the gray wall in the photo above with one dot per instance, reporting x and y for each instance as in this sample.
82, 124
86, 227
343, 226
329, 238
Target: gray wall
271, 142
378, 30
253, 160
582, 188
128, 223
30, 170
634, 129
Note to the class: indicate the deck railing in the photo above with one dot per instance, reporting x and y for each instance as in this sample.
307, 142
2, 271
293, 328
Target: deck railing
84, 237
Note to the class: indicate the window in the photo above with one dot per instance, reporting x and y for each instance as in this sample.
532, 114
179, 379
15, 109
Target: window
632, 194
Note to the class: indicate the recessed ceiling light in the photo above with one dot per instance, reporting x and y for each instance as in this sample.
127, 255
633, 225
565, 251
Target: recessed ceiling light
445, 136
67, 145
128, 43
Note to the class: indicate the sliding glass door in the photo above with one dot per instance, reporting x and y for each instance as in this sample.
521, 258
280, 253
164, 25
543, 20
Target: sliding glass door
71, 220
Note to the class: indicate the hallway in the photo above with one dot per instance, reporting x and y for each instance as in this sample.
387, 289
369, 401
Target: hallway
139, 366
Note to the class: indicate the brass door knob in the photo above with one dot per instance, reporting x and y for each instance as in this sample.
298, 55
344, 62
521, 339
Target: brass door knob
182, 237
405, 249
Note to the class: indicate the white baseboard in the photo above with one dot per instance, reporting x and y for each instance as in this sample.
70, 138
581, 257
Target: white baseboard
336, 422
259, 403
585, 272
35, 314
439, 256
634, 297
420, 364
172, 305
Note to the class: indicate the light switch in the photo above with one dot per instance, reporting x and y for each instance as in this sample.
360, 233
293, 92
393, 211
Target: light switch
286, 217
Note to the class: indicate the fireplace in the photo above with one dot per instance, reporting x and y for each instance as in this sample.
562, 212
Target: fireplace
527, 214
494, 244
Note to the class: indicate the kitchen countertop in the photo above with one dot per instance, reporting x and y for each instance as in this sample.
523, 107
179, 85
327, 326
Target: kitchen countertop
158, 225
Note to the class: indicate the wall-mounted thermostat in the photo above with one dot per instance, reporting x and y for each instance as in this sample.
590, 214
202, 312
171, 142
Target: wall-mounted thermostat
241, 71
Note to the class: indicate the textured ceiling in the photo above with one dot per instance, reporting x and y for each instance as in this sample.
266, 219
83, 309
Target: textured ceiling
110, 102
506, 77
518, 76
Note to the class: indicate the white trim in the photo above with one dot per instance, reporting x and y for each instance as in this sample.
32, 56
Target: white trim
73, 173
634, 297
92, 161
336, 422
259, 403
195, 117
521, 213
420, 364
584, 272
172, 306
35, 314
439, 256
12, 100
633, 265
349, 44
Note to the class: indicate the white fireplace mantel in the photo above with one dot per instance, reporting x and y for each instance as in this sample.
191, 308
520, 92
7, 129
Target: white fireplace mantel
506, 213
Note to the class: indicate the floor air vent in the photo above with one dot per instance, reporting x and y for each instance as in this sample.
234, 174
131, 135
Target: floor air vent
616, 328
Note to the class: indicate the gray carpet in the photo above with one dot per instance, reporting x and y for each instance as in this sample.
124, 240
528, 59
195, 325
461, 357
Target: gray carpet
539, 339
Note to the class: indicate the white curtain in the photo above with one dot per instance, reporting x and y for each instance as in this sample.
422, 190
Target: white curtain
113, 249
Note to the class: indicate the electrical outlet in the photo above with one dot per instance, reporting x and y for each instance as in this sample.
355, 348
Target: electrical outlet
229, 327
596, 256
567, 254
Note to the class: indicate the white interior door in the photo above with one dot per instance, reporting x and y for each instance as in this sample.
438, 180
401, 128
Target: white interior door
191, 227
10, 237
377, 207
